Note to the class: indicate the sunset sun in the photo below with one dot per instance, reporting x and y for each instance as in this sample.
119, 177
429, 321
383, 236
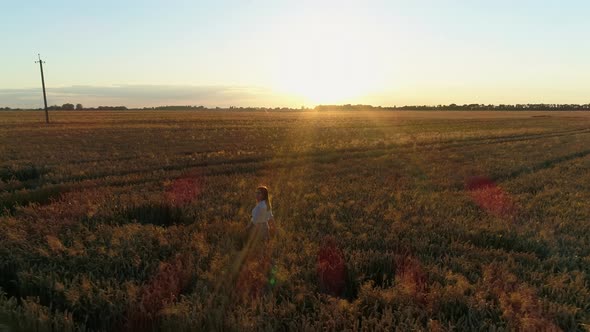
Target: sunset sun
329, 62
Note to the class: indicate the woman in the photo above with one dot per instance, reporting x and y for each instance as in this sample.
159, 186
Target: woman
261, 215
256, 259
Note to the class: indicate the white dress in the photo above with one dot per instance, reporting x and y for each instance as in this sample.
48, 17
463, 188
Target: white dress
260, 214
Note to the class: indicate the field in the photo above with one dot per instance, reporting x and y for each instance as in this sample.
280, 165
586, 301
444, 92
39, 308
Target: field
441, 221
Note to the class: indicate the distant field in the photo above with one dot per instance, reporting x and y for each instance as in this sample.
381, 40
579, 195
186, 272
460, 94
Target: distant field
134, 220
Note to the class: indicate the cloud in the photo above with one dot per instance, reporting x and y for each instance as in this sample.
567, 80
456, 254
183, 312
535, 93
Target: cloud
146, 95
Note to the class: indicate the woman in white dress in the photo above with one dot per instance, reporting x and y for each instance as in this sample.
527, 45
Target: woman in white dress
256, 255
259, 227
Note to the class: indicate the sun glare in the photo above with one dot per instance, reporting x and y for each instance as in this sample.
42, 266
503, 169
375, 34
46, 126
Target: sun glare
323, 82
328, 63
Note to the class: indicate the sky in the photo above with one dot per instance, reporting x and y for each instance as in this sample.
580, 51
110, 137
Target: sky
294, 53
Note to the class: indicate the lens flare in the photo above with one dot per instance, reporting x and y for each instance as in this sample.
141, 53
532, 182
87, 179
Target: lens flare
331, 267
185, 189
489, 197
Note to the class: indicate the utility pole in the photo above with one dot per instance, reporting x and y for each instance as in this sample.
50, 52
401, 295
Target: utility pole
43, 84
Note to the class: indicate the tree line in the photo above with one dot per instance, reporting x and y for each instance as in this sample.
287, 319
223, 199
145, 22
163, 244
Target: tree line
456, 107
346, 107
80, 107
71, 107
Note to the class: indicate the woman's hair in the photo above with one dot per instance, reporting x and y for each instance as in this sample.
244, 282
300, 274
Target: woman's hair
264, 191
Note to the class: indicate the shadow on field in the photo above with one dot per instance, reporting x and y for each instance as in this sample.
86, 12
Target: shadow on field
155, 214
24, 173
545, 164
10, 201
338, 277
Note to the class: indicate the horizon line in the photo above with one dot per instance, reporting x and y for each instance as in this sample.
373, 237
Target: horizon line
471, 106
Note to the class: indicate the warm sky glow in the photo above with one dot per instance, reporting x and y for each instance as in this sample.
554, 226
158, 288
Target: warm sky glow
293, 53
330, 59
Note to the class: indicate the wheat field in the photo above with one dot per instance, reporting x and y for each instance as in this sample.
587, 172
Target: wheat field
407, 220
